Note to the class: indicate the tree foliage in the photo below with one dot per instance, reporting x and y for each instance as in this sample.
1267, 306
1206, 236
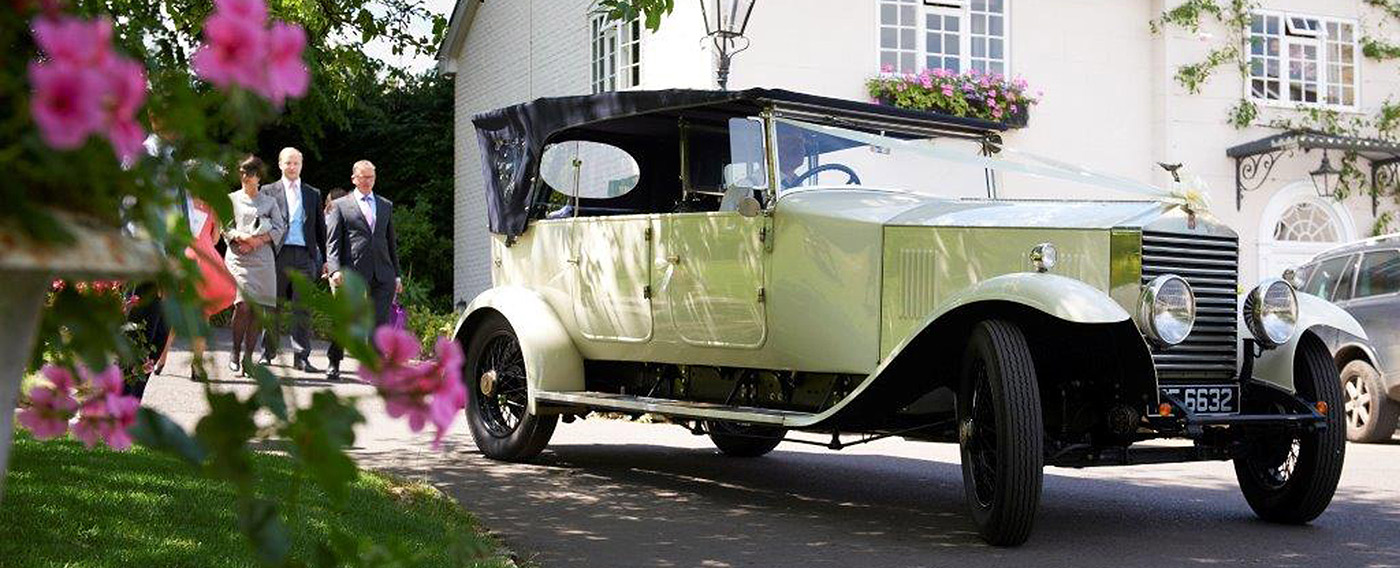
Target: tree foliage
406, 129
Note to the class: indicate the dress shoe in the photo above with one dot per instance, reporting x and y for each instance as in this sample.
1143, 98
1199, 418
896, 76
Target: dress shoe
197, 374
333, 373
305, 366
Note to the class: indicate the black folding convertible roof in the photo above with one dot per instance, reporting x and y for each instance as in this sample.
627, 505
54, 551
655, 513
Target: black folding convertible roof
513, 138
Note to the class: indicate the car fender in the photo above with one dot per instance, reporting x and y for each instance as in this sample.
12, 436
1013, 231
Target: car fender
1059, 297
552, 362
1276, 365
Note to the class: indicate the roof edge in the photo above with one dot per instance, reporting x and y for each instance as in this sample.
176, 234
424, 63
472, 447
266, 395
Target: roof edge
463, 13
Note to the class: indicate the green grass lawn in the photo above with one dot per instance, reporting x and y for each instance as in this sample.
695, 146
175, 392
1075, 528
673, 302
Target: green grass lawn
67, 506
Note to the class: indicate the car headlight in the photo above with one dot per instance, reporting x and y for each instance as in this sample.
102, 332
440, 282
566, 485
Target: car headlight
1271, 312
1167, 310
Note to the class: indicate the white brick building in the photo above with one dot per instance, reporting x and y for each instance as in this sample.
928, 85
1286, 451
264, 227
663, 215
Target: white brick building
1110, 100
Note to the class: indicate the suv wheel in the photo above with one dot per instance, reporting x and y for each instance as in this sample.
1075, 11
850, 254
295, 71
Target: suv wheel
497, 396
744, 440
1291, 478
1000, 433
1371, 415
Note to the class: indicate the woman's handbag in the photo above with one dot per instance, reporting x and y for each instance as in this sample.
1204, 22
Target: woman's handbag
398, 317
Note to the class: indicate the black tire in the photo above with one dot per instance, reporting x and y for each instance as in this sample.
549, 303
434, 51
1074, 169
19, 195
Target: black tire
499, 422
1370, 415
744, 440
1002, 461
1291, 478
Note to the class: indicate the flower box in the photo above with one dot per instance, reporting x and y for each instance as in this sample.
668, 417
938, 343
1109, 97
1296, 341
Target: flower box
975, 95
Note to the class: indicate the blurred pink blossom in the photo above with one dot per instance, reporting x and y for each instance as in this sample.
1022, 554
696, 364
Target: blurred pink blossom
50, 407
82, 88
234, 52
107, 415
254, 10
67, 103
286, 72
73, 40
421, 392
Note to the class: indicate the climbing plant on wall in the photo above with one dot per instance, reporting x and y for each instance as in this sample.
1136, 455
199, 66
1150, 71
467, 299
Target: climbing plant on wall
1234, 16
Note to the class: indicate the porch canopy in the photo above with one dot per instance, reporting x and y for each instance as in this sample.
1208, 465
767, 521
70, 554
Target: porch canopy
1254, 160
513, 138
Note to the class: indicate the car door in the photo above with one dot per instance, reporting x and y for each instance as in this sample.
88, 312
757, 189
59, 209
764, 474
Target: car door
610, 246
712, 276
1375, 303
613, 260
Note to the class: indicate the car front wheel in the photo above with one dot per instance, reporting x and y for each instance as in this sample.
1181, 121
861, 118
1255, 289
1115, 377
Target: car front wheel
1000, 433
1290, 478
1371, 416
497, 387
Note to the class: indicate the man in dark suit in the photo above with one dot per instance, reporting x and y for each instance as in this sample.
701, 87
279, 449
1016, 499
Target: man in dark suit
301, 250
361, 239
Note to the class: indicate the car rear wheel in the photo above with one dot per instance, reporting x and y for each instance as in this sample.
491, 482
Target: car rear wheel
744, 440
1000, 433
1370, 414
1291, 478
497, 387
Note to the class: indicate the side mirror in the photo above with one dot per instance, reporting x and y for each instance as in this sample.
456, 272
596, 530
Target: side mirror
749, 207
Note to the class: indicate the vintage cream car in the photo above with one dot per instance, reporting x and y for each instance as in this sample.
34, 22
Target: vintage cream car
753, 262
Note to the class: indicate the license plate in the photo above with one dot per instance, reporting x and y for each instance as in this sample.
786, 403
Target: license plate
1207, 400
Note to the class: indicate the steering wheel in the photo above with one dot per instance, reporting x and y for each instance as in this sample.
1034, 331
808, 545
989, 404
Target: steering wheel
855, 179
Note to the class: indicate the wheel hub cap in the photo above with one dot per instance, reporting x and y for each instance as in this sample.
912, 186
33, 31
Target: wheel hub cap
488, 382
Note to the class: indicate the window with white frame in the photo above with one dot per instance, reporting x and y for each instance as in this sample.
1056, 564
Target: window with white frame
1302, 59
956, 35
617, 53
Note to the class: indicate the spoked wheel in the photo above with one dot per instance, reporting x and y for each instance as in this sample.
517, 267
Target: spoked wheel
498, 389
1290, 478
1371, 415
744, 440
1000, 432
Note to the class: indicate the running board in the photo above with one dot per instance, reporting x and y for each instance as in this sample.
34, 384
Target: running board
669, 407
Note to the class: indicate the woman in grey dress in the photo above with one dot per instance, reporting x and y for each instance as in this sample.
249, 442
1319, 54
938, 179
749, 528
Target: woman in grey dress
257, 223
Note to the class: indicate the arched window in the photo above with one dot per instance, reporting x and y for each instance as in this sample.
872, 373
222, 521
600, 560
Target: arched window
1307, 223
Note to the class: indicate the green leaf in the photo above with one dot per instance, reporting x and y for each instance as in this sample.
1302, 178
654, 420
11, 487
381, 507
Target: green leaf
269, 393
225, 432
157, 432
258, 521
320, 433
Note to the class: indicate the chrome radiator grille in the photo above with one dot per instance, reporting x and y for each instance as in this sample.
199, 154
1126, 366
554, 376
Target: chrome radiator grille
1211, 265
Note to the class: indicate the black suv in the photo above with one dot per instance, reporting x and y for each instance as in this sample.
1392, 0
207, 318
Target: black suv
1363, 278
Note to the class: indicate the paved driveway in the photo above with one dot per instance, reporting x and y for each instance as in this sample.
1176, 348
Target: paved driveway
611, 493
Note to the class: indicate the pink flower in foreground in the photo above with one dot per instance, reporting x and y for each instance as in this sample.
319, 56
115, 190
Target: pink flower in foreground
421, 392
286, 72
398, 346
73, 40
252, 10
67, 103
107, 415
50, 407
233, 54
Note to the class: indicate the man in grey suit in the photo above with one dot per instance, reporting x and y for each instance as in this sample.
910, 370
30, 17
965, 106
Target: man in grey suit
361, 239
301, 250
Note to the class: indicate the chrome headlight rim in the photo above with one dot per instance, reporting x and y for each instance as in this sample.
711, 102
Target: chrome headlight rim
1270, 322
1148, 310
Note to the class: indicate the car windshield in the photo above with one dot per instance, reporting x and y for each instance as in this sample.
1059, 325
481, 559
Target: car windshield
810, 155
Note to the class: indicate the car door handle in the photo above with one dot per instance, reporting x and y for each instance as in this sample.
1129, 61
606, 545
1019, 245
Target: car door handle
573, 261
674, 259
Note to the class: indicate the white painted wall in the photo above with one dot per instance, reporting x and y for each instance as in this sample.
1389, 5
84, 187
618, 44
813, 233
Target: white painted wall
1110, 101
